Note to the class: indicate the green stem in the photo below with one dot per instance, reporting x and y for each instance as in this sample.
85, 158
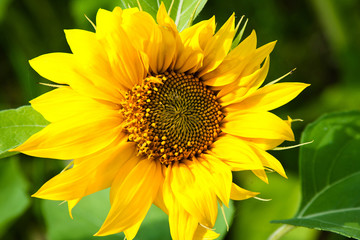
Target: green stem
330, 19
280, 232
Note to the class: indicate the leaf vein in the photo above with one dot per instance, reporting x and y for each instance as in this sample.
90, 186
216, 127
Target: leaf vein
330, 212
318, 194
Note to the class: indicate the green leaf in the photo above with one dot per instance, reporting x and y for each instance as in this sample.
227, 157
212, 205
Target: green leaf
91, 212
16, 126
330, 173
183, 11
14, 198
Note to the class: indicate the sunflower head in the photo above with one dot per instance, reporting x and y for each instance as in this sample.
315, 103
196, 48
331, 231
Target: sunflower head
161, 117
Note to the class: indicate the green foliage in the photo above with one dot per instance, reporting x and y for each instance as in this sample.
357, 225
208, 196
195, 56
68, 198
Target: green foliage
338, 23
3, 6
253, 221
330, 174
88, 215
91, 212
182, 11
14, 197
17, 125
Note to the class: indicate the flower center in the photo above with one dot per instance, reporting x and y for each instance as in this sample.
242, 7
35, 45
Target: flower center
171, 116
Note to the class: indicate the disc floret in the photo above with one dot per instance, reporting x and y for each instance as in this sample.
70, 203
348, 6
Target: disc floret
171, 116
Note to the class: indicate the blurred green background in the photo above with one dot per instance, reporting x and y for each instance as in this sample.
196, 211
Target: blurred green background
318, 37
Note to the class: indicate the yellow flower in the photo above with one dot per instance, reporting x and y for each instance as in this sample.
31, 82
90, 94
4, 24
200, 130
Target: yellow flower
161, 117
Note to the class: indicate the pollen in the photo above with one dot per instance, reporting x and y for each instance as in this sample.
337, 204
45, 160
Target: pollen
171, 117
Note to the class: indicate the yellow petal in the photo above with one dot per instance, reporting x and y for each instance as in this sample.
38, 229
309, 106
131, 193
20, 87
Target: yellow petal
161, 46
122, 174
228, 72
269, 161
238, 193
188, 60
198, 196
182, 224
269, 97
221, 177
258, 57
164, 19
245, 48
57, 67
244, 86
84, 44
205, 233
251, 78
125, 60
74, 137
190, 53
72, 204
170, 39
139, 26
218, 47
159, 199
262, 175
236, 153
199, 34
257, 125
93, 61
89, 174
64, 68
144, 33
132, 197
158, 42
233, 65
131, 232
265, 144
64, 102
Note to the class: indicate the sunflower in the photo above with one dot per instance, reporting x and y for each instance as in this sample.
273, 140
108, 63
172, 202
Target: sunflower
161, 117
